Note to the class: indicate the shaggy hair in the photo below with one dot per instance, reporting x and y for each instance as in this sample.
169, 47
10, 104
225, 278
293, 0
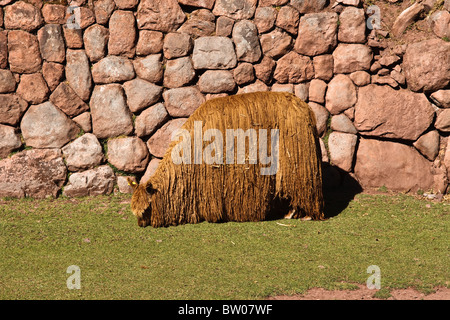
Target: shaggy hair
191, 193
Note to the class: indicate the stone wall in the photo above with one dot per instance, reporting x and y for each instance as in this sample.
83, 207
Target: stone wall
92, 94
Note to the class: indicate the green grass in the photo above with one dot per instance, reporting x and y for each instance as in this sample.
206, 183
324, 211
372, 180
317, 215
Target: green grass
39, 239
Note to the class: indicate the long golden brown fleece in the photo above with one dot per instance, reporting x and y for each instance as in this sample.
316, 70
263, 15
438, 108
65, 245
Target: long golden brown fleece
191, 193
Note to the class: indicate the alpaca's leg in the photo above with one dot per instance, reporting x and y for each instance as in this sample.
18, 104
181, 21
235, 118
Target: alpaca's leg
290, 214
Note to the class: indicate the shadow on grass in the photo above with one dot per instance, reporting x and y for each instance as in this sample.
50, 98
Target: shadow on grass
339, 188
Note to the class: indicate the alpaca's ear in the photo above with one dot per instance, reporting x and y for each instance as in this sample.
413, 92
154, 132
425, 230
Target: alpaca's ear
133, 184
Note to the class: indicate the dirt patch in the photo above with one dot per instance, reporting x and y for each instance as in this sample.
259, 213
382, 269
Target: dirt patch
417, 31
363, 293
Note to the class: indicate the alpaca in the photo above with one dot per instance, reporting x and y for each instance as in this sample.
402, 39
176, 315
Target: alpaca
200, 178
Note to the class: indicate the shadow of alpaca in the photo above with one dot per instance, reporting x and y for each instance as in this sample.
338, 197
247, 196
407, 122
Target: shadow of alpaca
339, 188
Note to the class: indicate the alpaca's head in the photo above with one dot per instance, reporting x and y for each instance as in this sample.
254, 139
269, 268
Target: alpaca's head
141, 203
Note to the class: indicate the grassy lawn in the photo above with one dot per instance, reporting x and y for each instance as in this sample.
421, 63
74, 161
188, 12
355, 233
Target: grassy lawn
407, 238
